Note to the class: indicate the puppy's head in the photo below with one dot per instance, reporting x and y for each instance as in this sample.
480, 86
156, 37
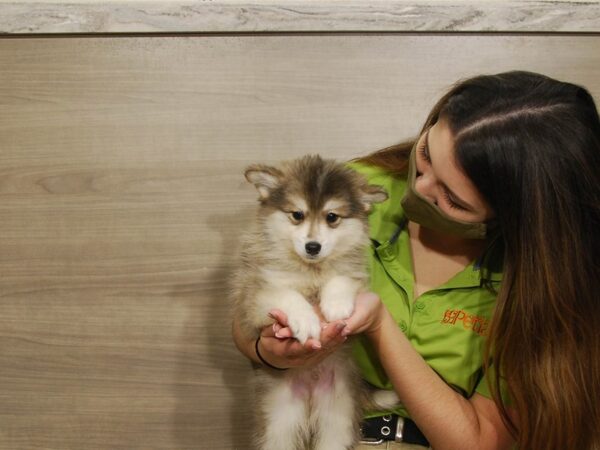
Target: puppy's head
316, 208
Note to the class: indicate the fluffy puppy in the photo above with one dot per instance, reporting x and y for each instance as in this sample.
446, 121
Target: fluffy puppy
305, 251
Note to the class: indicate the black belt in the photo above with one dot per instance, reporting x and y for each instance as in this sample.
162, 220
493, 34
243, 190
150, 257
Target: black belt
392, 427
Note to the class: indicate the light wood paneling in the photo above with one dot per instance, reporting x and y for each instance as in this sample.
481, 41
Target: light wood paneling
122, 199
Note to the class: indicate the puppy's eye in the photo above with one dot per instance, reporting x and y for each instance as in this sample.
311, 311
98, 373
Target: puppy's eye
332, 218
297, 216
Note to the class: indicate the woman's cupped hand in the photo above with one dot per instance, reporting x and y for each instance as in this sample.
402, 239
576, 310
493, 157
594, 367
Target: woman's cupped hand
281, 349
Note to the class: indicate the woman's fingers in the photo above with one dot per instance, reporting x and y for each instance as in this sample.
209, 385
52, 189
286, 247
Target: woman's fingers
270, 330
279, 343
280, 327
367, 312
332, 332
279, 316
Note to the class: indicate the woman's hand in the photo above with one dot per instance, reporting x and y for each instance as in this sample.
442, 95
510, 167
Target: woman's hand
279, 348
367, 315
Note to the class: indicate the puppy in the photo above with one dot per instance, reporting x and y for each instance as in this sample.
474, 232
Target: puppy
305, 250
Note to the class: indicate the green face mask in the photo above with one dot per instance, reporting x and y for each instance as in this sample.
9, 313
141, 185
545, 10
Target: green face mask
425, 213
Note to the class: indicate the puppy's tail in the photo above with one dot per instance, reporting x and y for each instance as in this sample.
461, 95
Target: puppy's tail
384, 399
379, 400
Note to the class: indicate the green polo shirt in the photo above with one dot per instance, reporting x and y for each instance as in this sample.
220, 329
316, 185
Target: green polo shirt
446, 325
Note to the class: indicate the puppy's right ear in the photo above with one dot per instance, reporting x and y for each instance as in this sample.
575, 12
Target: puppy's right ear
264, 178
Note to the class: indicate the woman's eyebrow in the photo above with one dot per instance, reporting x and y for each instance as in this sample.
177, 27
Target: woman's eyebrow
455, 198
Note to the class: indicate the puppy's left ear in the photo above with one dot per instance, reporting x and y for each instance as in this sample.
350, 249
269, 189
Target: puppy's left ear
264, 178
372, 194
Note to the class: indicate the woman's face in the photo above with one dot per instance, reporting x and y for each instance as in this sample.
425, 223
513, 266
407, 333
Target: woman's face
442, 182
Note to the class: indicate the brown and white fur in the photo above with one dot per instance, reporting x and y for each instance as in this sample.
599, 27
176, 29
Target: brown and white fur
306, 250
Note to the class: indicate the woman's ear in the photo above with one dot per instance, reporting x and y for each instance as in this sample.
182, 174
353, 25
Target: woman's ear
264, 178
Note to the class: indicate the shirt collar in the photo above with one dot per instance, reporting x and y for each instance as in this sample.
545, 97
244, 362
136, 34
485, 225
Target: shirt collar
472, 275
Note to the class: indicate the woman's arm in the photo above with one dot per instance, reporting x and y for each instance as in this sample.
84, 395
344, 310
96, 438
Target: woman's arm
449, 421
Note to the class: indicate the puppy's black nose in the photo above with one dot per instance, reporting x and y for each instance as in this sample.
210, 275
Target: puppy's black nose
313, 248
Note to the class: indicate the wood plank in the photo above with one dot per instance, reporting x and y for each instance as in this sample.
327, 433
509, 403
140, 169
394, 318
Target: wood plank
122, 200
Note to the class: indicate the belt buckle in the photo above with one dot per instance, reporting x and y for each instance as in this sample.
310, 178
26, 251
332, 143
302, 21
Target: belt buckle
399, 430
385, 430
367, 441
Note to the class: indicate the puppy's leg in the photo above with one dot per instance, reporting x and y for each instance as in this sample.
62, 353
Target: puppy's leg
335, 412
337, 297
302, 319
285, 415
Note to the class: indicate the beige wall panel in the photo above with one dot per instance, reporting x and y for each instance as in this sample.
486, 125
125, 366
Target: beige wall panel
122, 199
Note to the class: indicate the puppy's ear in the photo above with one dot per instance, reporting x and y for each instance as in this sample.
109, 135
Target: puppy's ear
264, 178
372, 194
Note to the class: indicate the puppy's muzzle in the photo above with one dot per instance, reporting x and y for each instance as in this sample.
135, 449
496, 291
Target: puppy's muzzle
313, 248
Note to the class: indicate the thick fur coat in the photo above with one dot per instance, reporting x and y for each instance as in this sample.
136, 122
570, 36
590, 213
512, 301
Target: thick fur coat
305, 251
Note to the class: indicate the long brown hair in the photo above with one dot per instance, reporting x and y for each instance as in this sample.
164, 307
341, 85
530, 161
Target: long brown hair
531, 146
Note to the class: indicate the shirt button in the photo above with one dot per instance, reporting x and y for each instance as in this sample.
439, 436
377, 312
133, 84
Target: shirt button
403, 326
420, 306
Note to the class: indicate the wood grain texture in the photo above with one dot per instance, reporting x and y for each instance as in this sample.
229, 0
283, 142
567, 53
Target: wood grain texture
122, 199
234, 16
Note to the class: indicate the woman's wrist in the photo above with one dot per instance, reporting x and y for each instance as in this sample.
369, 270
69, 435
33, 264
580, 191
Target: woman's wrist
381, 314
263, 360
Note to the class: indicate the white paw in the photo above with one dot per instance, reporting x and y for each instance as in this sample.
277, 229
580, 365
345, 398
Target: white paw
337, 298
337, 307
304, 324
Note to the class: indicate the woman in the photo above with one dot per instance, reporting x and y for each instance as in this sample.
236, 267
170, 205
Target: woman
500, 214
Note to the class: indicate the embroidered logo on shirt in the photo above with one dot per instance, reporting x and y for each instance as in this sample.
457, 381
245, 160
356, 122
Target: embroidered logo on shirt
472, 322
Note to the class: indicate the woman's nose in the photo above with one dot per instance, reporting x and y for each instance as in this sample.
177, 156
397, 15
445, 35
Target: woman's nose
427, 187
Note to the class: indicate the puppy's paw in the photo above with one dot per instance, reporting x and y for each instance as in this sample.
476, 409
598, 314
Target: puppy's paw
337, 308
304, 324
337, 298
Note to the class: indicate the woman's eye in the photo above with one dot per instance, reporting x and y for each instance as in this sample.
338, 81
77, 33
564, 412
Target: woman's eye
423, 151
451, 202
332, 218
298, 216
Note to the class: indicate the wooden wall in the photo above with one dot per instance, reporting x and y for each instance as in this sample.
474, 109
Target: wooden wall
122, 199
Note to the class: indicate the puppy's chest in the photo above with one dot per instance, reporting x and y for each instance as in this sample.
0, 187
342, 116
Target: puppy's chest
308, 284
312, 294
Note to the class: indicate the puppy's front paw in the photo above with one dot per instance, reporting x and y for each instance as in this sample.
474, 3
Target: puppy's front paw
337, 298
337, 308
305, 324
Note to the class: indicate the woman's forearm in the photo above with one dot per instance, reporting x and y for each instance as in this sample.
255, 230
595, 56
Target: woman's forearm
449, 421
244, 345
